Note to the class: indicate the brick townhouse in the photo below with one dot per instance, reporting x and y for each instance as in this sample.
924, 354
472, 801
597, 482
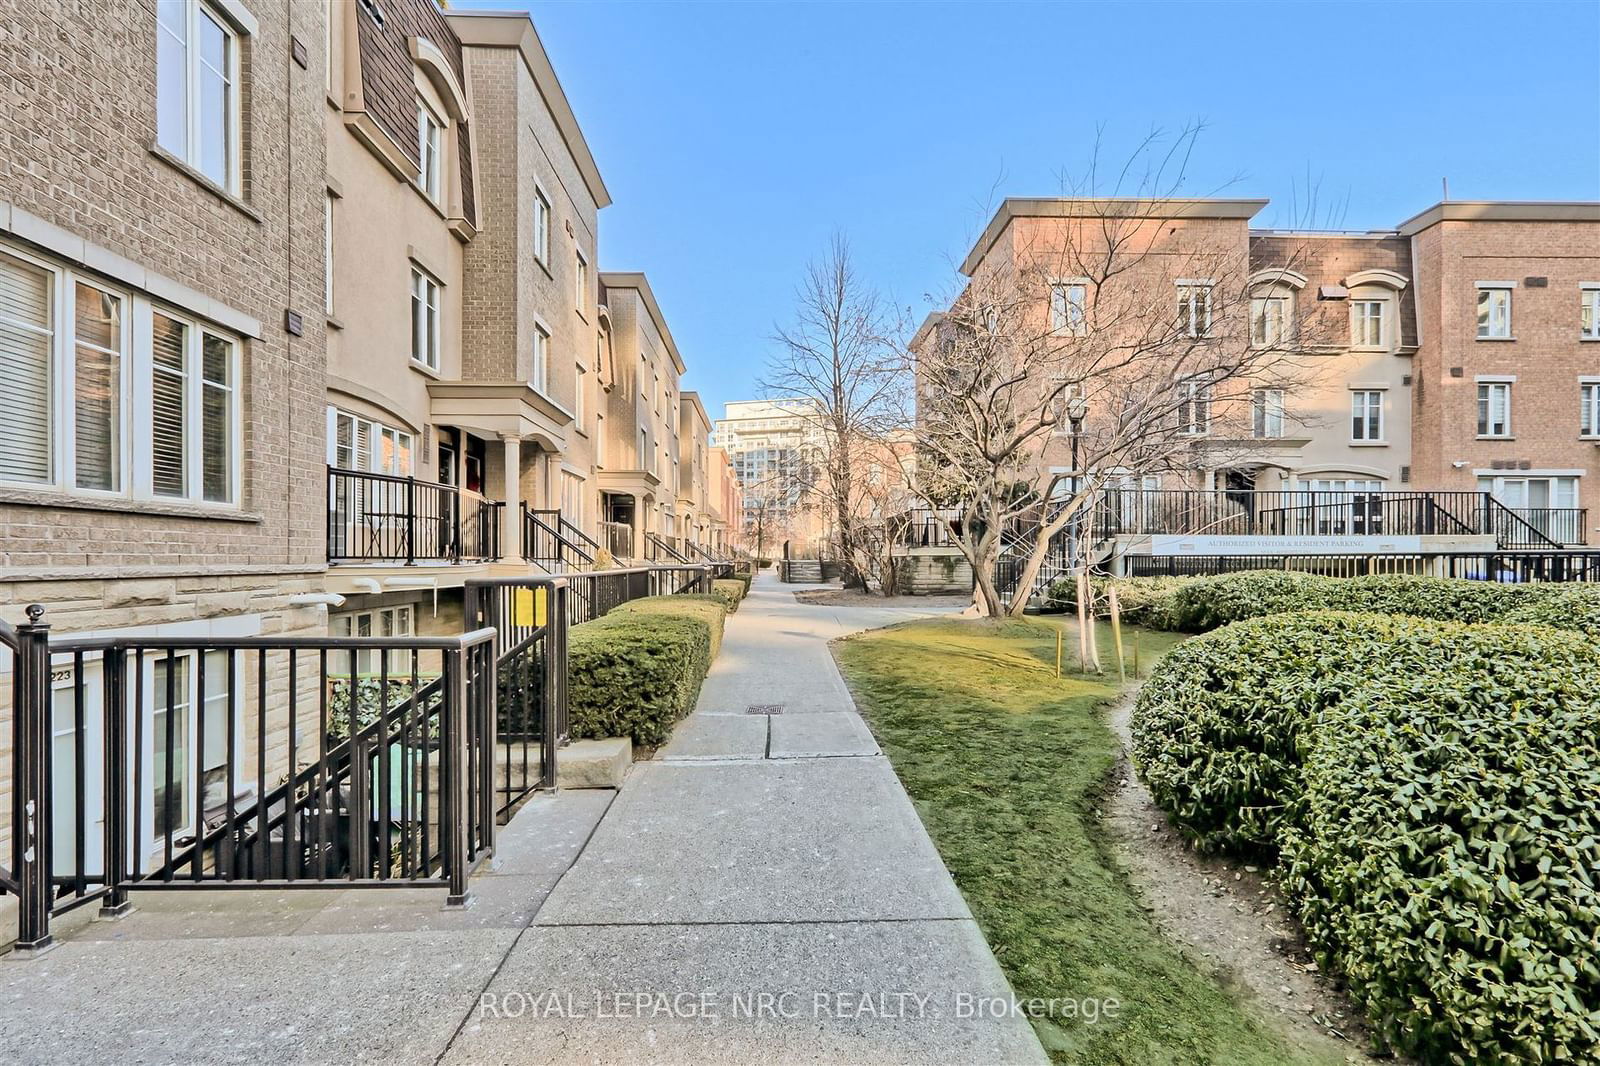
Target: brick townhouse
1458, 352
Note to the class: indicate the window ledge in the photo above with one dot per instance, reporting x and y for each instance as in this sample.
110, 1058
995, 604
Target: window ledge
424, 368
206, 183
1589, 340
335, 323
22, 497
1492, 340
1369, 444
545, 267
1492, 436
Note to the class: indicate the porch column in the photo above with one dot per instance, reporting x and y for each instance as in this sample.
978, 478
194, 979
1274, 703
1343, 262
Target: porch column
511, 513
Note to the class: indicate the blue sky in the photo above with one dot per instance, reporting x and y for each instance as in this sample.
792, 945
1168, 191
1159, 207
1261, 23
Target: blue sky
736, 138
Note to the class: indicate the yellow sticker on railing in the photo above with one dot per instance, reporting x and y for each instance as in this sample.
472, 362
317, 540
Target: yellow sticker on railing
529, 607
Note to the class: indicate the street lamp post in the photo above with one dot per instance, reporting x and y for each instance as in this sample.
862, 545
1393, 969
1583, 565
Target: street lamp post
1077, 411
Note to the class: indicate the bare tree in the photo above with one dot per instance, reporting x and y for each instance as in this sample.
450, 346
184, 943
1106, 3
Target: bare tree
839, 357
1126, 337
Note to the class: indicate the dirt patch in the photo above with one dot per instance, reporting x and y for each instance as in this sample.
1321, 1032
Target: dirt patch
1231, 919
855, 598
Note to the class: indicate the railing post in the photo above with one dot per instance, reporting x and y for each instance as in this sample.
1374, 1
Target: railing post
457, 791
114, 670
411, 520
31, 813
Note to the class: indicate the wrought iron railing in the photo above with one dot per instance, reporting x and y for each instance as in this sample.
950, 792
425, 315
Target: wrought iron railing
658, 548
385, 518
547, 546
279, 762
921, 527
618, 539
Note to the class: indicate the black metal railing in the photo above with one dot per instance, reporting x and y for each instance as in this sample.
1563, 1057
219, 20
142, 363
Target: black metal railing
1507, 566
658, 548
278, 762
1306, 512
921, 527
1524, 566
386, 518
547, 546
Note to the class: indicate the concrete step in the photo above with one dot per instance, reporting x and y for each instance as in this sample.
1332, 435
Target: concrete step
594, 763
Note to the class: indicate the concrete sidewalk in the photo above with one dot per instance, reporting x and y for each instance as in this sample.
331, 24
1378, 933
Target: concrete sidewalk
762, 892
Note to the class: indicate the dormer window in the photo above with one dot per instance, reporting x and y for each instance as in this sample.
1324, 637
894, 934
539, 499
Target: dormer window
1366, 323
429, 136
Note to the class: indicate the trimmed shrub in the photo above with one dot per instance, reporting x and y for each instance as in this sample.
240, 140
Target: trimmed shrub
1146, 601
1219, 727
1209, 602
1444, 855
1575, 606
638, 669
729, 592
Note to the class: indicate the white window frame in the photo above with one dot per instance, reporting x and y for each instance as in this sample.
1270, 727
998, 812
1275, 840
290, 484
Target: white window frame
539, 359
189, 151
153, 843
1260, 335
1198, 324
430, 151
1267, 414
1589, 408
1069, 306
1363, 313
580, 282
541, 225
370, 460
136, 417
1194, 408
425, 317
1487, 386
1589, 304
579, 400
401, 619
1498, 326
1364, 402
327, 253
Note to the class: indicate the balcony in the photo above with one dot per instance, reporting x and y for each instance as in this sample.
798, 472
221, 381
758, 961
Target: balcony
1302, 512
387, 519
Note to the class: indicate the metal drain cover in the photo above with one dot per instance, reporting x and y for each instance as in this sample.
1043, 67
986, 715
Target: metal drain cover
764, 708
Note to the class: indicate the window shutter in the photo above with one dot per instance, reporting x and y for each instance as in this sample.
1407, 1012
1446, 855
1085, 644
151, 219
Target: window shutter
168, 384
26, 330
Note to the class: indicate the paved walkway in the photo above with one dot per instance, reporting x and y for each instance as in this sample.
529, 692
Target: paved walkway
763, 892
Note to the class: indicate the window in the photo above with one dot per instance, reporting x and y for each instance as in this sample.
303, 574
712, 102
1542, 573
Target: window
1494, 408
1589, 417
539, 373
356, 443
1366, 324
1494, 312
541, 226
1589, 315
1366, 415
197, 77
69, 358
581, 292
1269, 320
431, 162
572, 498
600, 440
578, 399
396, 621
1266, 413
327, 254
1194, 407
424, 320
1067, 313
1194, 308
644, 448
173, 683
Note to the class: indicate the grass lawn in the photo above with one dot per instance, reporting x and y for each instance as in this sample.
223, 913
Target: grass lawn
1005, 763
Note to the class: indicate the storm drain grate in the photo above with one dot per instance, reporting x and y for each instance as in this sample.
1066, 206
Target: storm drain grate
764, 708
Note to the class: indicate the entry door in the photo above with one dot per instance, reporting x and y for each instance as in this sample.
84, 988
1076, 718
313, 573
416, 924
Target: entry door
64, 763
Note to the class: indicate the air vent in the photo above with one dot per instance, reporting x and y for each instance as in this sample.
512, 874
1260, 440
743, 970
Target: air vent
1457, 372
1406, 380
1524, 464
1405, 475
1536, 283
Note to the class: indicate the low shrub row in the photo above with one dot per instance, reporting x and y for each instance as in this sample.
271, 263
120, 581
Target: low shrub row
638, 669
729, 591
1201, 604
1433, 793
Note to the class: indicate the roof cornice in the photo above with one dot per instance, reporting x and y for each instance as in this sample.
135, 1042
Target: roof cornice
1104, 207
633, 279
1501, 211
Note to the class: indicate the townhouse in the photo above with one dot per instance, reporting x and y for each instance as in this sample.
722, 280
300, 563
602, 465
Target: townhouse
1453, 354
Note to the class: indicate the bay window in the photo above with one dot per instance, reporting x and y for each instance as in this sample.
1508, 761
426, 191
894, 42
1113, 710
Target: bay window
109, 393
197, 89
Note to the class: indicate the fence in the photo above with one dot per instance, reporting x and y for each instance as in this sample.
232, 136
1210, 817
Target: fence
1508, 566
384, 518
921, 527
547, 544
151, 762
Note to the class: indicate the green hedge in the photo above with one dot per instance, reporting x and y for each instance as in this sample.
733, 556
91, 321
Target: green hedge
1206, 603
1446, 854
638, 669
1574, 607
729, 591
1218, 728
1434, 792
1147, 601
